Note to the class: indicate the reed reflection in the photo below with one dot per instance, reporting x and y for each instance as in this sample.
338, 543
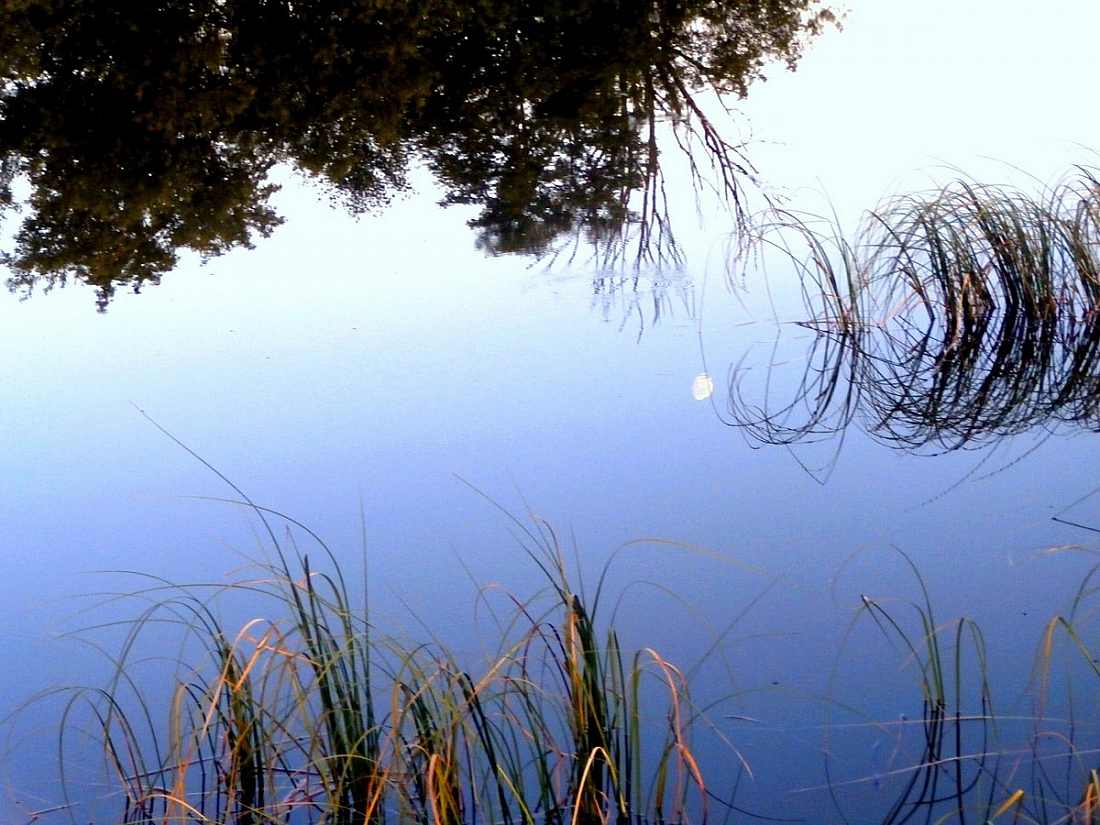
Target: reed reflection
955, 318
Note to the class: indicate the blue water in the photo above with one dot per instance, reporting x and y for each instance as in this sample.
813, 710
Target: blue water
385, 364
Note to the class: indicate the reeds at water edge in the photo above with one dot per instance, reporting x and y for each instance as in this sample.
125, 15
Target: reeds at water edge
311, 714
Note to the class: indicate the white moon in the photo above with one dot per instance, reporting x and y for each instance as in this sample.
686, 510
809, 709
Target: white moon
702, 387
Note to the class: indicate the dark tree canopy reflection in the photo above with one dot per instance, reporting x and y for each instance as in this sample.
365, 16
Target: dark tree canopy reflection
145, 128
959, 317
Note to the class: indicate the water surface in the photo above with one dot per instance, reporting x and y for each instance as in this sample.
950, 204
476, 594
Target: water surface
388, 365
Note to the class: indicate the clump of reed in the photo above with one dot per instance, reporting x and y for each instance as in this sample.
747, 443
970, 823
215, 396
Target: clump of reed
311, 714
954, 317
956, 762
946, 763
1066, 772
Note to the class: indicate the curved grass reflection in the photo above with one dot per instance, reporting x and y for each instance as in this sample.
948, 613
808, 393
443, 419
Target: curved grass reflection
956, 317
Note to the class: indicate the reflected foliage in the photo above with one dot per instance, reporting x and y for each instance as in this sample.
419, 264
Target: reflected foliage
957, 318
142, 130
637, 301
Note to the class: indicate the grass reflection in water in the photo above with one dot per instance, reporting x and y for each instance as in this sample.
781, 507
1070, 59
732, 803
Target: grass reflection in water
954, 318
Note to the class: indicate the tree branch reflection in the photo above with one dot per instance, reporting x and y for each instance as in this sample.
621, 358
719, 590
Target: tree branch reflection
147, 129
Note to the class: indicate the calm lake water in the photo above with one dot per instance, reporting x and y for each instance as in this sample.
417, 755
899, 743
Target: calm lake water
385, 366
327, 367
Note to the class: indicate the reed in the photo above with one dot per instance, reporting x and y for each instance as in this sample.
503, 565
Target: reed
312, 715
1065, 776
946, 763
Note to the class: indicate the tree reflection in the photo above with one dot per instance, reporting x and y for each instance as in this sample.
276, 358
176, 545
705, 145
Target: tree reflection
145, 129
960, 317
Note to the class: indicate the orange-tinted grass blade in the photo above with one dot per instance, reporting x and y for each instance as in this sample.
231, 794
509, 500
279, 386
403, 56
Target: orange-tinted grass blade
1015, 799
